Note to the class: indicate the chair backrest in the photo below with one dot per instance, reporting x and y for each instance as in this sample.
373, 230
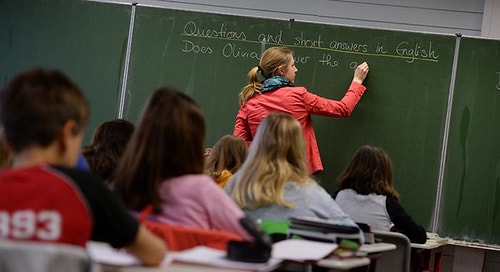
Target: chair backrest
28, 256
181, 238
395, 260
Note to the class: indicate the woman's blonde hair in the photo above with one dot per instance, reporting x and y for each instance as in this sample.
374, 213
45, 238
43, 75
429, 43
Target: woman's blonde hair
270, 61
277, 155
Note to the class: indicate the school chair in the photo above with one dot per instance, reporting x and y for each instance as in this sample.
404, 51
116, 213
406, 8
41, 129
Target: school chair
180, 238
29, 256
395, 260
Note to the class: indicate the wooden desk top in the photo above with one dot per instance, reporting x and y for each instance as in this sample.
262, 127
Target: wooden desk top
429, 244
332, 262
343, 264
177, 266
377, 247
174, 267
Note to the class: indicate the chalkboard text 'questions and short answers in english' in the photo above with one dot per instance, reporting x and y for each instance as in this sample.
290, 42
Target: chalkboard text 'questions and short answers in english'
408, 51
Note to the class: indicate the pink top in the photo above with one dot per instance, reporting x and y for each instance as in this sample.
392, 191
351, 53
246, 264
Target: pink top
197, 201
300, 103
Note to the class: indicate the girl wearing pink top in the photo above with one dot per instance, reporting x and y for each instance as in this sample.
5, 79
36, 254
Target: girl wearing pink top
277, 93
163, 166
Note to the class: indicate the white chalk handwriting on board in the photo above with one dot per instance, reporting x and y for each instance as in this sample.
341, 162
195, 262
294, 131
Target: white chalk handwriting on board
233, 44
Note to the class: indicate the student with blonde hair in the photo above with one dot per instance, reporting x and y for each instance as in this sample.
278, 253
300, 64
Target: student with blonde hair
274, 183
276, 92
225, 158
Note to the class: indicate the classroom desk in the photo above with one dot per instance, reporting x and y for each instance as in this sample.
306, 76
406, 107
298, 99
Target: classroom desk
100, 250
375, 252
332, 263
432, 251
377, 247
348, 264
174, 267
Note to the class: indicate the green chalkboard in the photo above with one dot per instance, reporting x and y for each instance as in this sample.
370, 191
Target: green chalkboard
208, 57
85, 40
471, 192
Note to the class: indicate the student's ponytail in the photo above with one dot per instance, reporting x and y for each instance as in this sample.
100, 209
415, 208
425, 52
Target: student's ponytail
271, 59
253, 86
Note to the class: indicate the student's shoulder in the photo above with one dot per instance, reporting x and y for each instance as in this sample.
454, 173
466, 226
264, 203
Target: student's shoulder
201, 182
292, 89
391, 199
82, 178
191, 179
310, 187
349, 192
393, 205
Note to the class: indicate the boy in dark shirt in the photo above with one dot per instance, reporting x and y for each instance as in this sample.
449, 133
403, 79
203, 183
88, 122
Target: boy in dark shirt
43, 197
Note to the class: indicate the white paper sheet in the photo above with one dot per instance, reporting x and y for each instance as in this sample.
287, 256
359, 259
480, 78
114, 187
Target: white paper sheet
302, 250
213, 257
104, 254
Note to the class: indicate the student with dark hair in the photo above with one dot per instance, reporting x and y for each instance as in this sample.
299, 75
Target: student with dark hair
107, 146
271, 88
45, 198
367, 194
163, 166
225, 158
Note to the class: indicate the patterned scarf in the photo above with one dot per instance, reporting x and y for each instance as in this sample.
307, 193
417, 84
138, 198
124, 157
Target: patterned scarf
275, 82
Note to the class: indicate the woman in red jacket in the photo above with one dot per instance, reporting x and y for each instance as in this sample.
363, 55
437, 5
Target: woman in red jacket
277, 93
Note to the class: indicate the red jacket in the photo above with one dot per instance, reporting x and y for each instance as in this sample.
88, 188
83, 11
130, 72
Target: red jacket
300, 103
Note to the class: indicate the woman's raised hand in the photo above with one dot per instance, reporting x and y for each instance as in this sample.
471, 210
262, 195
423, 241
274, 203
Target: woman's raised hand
361, 72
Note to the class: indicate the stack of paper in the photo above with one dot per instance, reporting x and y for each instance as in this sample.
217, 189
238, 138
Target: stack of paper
103, 253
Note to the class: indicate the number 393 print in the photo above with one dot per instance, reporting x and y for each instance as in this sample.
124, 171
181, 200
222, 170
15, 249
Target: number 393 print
30, 225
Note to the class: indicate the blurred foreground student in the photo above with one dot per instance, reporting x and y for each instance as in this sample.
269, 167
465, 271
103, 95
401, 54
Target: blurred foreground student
278, 93
107, 146
225, 158
274, 183
43, 196
164, 166
367, 194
